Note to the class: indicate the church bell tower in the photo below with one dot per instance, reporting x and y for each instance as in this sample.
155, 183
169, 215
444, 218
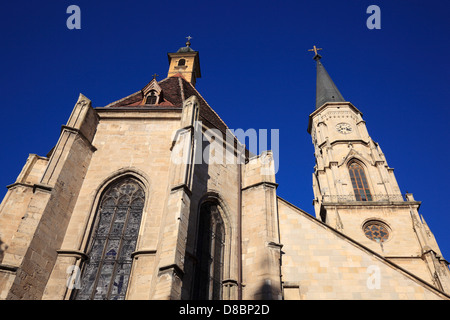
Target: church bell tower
356, 192
186, 62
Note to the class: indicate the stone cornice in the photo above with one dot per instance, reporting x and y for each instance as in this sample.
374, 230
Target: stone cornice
80, 134
121, 113
183, 187
268, 183
73, 253
330, 104
143, 252
42, 187
17, 184
345, 142
8, 268
352, 204
174, 268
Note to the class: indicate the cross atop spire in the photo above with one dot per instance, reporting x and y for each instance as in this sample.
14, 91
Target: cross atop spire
188, 42
316, 55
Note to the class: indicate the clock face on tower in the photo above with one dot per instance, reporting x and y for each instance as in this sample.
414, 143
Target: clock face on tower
344, 128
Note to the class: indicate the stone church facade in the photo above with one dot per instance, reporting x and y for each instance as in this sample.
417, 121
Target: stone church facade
129, 205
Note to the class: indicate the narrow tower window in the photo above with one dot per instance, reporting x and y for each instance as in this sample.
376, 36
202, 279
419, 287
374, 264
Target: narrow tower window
210, 244
105, 277
181, 62
359, 182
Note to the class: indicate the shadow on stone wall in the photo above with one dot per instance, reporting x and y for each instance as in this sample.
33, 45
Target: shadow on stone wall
269, 288
200, 179
267, 291
3, 248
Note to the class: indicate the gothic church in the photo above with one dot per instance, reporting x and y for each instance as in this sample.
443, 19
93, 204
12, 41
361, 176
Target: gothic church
120, 208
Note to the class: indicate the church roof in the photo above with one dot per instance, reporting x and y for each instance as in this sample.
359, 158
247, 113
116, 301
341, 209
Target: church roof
326, 90
175, 91
187, 48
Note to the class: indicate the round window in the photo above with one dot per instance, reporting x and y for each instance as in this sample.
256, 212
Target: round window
376, 231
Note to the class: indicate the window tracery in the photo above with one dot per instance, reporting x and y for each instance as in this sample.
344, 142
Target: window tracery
210, 251
106, 274
376, 231
359, 182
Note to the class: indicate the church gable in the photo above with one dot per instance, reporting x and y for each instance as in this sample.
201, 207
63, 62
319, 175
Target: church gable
168, 91
353, 154
322, 263
173, 92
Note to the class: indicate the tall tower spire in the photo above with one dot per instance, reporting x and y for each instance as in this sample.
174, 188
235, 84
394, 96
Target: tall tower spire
356, 192
326, 90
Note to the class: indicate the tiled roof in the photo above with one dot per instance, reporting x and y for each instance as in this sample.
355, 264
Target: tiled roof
175, 91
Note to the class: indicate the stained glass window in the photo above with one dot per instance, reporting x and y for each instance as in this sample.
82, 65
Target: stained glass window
359, 182
376, 231
106, 275
210, 243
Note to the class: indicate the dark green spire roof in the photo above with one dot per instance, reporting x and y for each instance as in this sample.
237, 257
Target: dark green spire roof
326, 90
188, 46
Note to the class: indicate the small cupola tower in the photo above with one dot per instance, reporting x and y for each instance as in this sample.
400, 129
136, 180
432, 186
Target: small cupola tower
185, 62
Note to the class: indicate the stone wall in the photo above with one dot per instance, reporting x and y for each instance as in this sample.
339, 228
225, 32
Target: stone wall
321, 263
34, 244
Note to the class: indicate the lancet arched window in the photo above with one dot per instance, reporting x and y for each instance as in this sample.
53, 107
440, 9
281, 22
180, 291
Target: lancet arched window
118, 218
210, 246
359, 182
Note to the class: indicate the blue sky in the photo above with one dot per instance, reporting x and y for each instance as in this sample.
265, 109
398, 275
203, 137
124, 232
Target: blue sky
256, 73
